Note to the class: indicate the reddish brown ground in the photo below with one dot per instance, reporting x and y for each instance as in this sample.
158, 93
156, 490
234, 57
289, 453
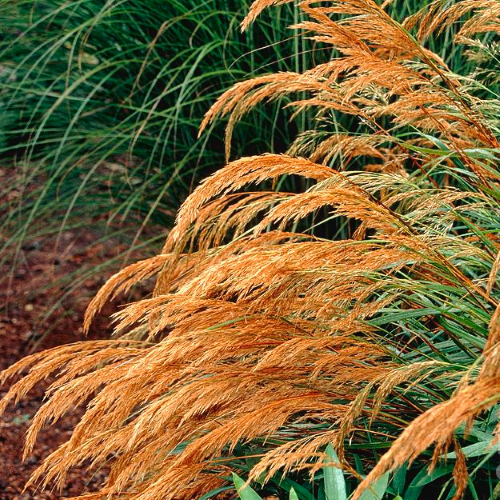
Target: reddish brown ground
21, 333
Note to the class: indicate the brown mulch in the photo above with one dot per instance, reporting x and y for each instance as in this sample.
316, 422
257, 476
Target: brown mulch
25, 302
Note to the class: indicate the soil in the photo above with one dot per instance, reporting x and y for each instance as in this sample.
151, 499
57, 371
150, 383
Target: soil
26, 299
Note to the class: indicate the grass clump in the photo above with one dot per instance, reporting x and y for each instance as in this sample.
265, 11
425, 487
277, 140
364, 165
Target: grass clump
357, 312
100, 107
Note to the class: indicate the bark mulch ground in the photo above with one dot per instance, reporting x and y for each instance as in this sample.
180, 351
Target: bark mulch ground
24, 303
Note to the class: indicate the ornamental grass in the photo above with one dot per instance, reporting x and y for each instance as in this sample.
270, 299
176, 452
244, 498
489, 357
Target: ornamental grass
356, 306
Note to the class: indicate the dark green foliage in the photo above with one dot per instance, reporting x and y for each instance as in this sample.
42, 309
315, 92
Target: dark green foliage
100, 106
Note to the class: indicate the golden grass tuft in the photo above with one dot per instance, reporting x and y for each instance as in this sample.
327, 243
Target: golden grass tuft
263, 328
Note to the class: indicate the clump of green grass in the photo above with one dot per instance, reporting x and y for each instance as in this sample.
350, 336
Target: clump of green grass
100, 107
345, 330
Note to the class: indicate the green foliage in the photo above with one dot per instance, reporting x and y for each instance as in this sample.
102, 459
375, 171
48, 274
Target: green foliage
335, 487
332, 480
100, 106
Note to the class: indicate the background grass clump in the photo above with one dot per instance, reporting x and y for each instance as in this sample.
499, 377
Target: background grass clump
100, 108
336, 331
